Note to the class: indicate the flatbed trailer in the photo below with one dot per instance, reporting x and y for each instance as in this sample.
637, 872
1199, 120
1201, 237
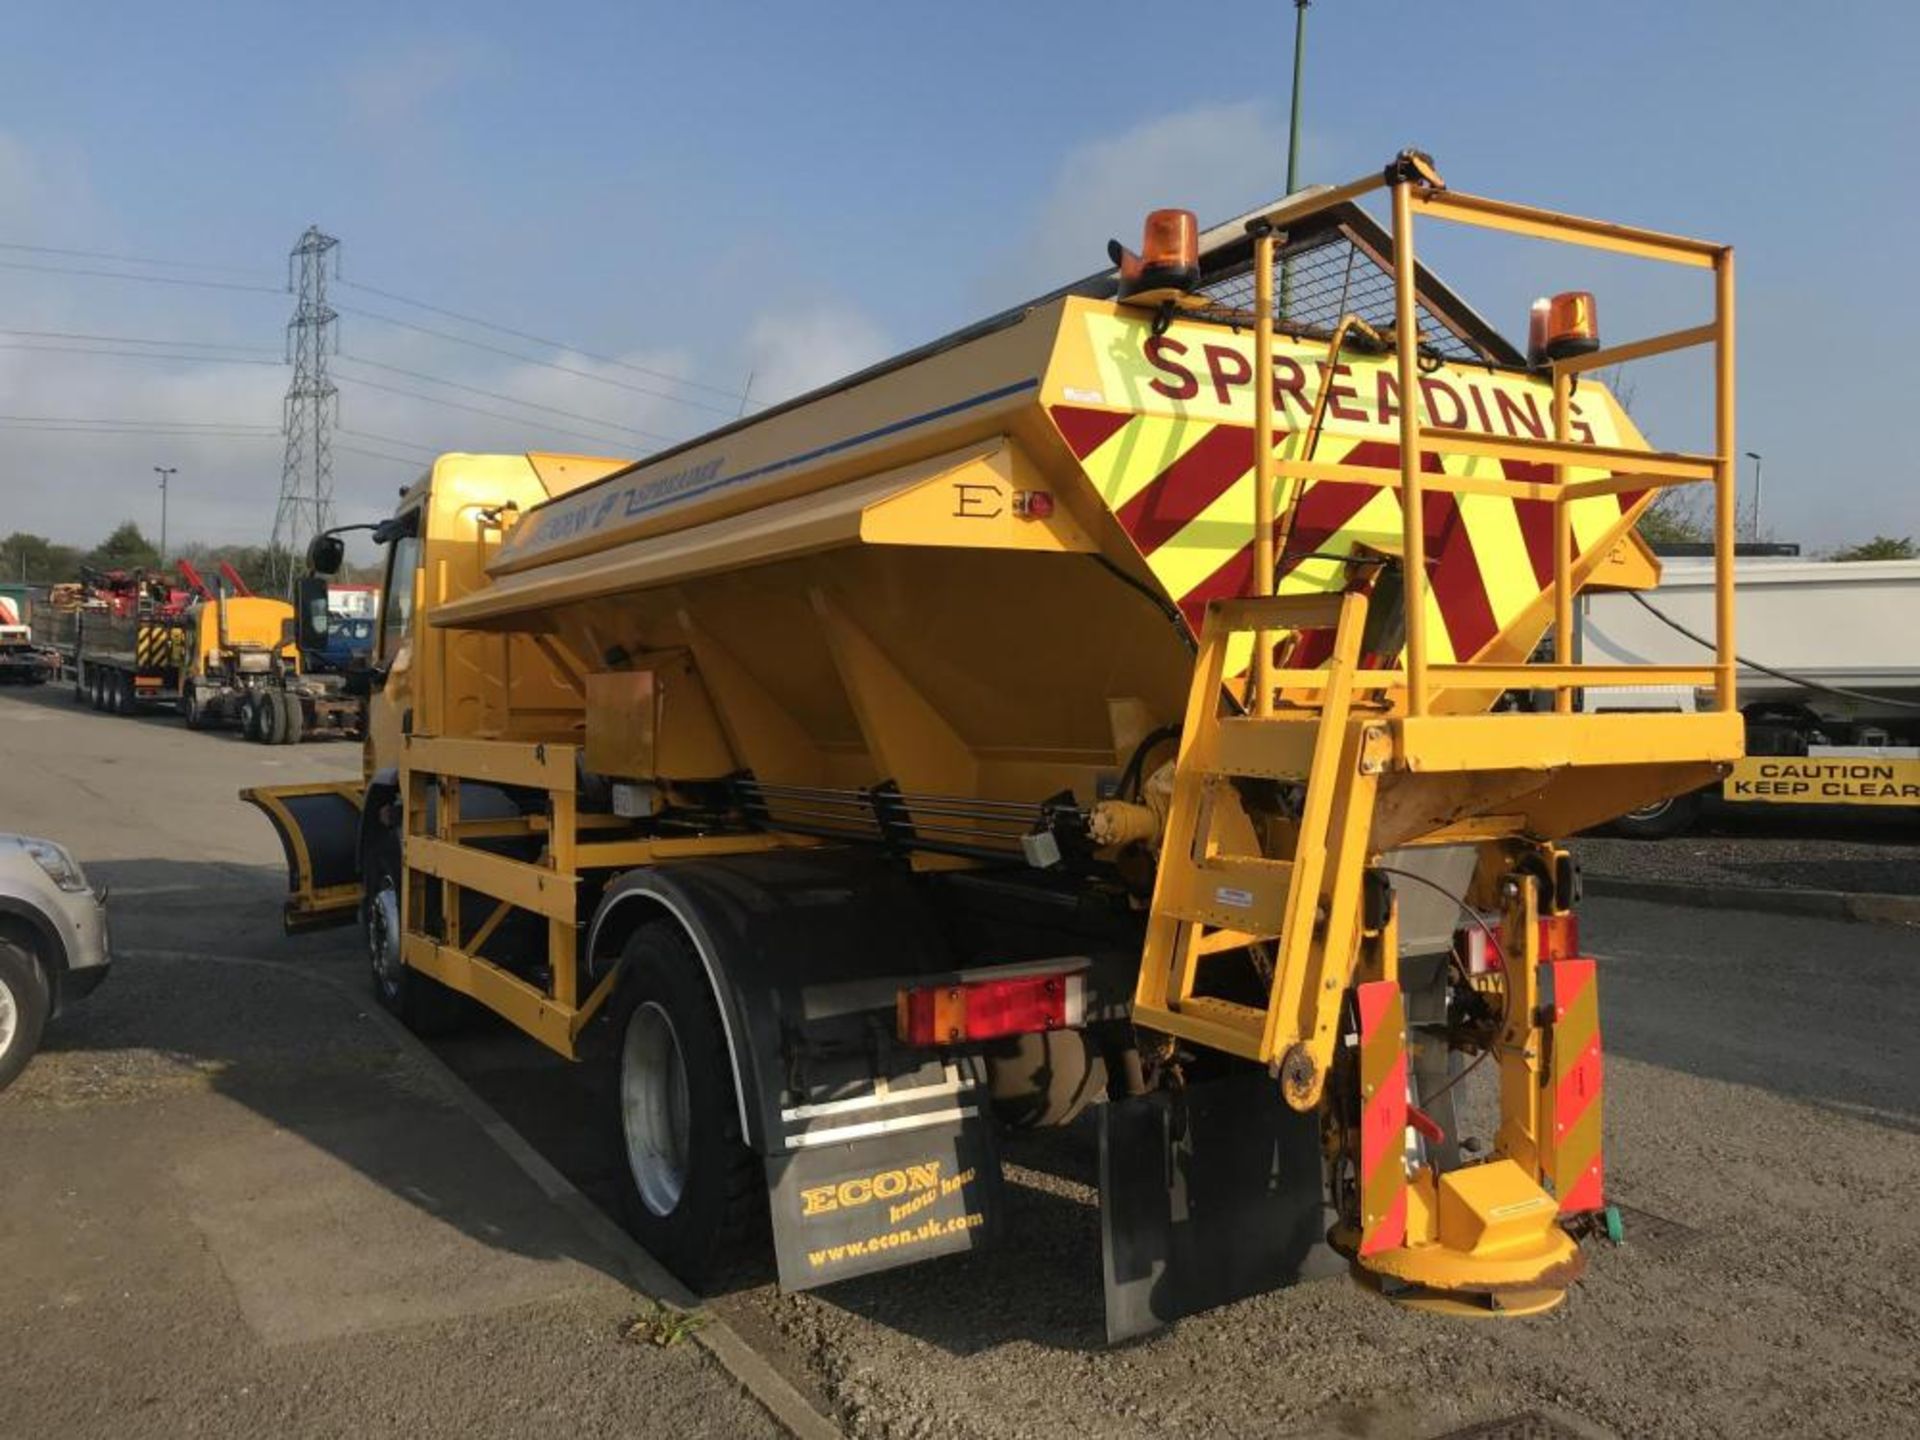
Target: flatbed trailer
1054, 720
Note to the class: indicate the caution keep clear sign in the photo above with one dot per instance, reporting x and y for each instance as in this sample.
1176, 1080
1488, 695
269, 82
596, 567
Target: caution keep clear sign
1823, 780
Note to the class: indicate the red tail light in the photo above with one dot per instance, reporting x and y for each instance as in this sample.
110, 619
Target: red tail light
987, 1009
1559, 940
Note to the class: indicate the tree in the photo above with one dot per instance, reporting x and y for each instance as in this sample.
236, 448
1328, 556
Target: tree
1673, 518
125, 549
1880, 547
36, 560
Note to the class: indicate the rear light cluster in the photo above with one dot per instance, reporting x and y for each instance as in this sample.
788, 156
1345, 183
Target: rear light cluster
1559, 940
988, 1009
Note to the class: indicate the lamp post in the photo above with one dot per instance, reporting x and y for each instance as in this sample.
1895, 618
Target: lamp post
165, 472
1293, 137
1754, 455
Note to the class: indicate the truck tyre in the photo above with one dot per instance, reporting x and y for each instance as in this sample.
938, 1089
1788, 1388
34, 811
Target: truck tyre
418, 1001
96, 696
23, 1008
194, 706
270, 718
1660, 820
117, 693
290, 717
694, 1195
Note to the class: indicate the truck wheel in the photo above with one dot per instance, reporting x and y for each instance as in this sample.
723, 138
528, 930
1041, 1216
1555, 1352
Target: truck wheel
420, 1002
291, 720
117, 693
96, 697
195, 706
1660, 820
23, 1009
694, 1193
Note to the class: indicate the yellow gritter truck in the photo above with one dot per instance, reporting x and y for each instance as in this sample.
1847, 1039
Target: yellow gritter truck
1090, 713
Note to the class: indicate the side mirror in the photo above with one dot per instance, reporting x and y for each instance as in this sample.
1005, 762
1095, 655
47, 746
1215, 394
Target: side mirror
310, 610
326, 554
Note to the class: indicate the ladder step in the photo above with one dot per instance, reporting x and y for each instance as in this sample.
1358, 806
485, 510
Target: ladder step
1271, 749
1220, 1024
1228, 893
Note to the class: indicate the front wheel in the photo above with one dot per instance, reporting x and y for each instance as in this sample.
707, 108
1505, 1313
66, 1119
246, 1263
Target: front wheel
418, 1001
195, 706
694, 1193
23, 1009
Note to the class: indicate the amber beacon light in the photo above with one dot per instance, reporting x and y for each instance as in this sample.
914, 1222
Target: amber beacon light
1169, 257
1572, 326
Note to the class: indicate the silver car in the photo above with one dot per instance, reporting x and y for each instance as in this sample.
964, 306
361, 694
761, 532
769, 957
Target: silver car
53, 943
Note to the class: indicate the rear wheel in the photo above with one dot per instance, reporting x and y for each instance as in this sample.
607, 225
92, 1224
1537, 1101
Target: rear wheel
694, 1192
420, 1002
290, 717
23, 1008
1660, 820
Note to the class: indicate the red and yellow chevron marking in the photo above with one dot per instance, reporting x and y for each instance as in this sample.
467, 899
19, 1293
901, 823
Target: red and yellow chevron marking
1573, 1109
1162, 428
1183, 490
1383, 1116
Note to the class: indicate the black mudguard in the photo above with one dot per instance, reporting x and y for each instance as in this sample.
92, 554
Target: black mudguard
1208, 1195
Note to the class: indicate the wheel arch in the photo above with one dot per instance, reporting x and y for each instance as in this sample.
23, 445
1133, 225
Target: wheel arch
32, 925
641, 896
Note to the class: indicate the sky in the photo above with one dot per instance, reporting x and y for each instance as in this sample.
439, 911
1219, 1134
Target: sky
689, 196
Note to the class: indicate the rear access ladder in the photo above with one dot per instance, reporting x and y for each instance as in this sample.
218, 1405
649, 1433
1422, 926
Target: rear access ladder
1307, 901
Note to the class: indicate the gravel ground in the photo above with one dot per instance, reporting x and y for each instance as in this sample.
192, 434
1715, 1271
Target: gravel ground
1859, 857
1770, 1284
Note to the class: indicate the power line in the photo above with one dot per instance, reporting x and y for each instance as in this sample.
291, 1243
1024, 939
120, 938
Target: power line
390, 440
141, 430
542, 340
511, 399
536, 360
151, 279
137, 354
475, 409
141, 420
140, 340
127, 259
378, 455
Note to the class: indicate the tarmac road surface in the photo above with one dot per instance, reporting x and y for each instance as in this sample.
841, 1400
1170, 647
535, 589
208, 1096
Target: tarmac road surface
1763, 1130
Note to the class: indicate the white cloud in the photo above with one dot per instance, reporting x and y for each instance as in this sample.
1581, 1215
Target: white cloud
397, 86
798, 347
1216, 160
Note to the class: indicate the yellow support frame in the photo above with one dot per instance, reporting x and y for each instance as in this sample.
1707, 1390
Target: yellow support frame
1418, 192
444, 854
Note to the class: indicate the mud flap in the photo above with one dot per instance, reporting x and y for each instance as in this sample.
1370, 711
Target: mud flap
884, 1201
319, 830
1205, 1198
